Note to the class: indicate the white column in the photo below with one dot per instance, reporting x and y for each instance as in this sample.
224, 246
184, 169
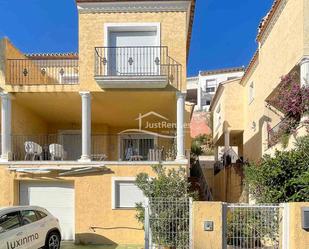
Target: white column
304, 72
5, 127
226, 140
199, 98
180, 126
86, 126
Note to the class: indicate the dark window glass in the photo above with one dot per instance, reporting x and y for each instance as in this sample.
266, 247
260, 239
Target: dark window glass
28, 216
9, 221
210, 89
40, 214
231, 78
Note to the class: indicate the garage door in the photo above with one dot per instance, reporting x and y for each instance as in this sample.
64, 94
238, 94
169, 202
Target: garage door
56, 197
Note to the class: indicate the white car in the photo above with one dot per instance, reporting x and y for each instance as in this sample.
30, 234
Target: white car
28, 227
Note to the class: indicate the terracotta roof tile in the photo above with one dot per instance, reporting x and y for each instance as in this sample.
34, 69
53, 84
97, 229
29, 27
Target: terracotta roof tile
52, 55
249, 67
266, 20
223, 70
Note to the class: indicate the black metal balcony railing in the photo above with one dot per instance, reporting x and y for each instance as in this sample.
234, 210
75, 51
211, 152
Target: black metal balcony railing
136, 61
59, 147
275, 134
41, 71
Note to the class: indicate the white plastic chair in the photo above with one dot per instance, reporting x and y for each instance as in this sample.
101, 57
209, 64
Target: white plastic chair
57, 152
33, 151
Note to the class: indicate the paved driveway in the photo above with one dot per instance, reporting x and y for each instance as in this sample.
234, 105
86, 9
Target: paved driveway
68, 245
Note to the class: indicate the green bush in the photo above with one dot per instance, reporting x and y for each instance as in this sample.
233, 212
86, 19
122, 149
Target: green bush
202, 145
282, 178
163, 190
248, 228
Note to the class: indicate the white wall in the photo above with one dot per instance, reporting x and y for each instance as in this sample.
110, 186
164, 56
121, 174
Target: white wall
204, 96
211, 81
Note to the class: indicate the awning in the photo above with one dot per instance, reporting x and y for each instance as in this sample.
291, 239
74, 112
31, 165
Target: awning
63, 170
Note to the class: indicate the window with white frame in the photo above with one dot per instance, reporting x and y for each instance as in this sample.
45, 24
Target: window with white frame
210, 85
251, 92
126, 193
133, 48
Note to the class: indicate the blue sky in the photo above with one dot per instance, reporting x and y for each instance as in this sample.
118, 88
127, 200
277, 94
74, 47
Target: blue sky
223, 34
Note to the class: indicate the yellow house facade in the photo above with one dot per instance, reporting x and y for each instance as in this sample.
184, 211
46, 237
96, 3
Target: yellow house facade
241, 116
77, 128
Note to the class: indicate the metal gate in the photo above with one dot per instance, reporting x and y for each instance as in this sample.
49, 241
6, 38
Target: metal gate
253, 226
168, 223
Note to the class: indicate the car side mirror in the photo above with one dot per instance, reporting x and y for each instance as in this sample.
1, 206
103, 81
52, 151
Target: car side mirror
2, 230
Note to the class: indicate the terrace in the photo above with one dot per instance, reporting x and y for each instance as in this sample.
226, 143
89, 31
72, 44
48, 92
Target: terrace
115, 67
48, 69
80, 126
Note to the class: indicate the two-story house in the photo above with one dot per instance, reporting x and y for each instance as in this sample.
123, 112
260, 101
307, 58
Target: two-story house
242, 115
76, 129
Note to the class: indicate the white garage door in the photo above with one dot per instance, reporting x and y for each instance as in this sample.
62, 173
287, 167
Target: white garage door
56, 197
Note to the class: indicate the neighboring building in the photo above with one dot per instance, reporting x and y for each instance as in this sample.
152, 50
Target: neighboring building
200, 91
241, 116
76, 129
202, 88
192, 85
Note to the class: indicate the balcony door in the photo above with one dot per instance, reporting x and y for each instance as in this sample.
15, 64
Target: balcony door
133, 53
136, 146
71, 141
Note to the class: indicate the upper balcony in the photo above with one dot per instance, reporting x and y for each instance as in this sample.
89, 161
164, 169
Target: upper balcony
42, 70
115, 67
136, 67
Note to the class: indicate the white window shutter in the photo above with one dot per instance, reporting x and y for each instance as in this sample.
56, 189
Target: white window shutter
127, 194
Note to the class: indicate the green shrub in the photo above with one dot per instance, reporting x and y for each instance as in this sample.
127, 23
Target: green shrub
163, 190
202, 145
282, 178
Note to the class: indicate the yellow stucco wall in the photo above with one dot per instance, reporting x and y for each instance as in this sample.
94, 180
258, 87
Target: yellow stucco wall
230, 100
207, 211
93, 203
25, 122
233, 99
91, 35
35, 112
281, 48
299, 238
306, 27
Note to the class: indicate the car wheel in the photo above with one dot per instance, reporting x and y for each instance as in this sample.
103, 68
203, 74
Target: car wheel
53, 241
